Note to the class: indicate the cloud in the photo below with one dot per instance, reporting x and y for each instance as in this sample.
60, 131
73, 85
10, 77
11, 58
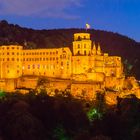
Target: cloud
42, 8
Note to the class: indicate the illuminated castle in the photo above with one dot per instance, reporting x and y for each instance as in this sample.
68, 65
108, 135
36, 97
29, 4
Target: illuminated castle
86, 62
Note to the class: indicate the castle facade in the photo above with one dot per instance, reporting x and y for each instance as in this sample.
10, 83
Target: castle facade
85, 62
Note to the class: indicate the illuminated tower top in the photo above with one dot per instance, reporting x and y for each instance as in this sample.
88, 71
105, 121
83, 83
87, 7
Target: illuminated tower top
81, 36
82, 44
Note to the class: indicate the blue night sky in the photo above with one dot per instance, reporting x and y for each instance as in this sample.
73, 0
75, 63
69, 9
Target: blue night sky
122, 16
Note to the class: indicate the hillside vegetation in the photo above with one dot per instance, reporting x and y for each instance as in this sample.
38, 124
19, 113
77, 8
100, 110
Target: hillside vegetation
112, 43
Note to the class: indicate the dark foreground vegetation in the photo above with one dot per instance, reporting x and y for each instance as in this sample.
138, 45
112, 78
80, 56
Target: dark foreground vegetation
40, 117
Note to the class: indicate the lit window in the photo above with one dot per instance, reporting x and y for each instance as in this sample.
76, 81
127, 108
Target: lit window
38, 66
84, 45
28, 66
33, 66
78, 46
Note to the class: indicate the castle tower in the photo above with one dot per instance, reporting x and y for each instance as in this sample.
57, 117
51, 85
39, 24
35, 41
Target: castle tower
99, 50
82, 44
11, 61
93, 52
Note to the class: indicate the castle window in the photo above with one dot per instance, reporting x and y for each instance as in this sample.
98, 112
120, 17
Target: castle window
40, 53
43, 53
17, 71
61, 63
84, 52
84, 45
56, 52
50, 52
7, 48
43, 59
7, 59
12, 47
40, 59
38, 66
12, 53
17, 53
17, 59
28, 66
78, 52
13, 59
78, 46
33, 66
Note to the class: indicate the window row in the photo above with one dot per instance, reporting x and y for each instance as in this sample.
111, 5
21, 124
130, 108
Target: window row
38, 66
12, 53
40, 53
7, 48
40, 59
10, 59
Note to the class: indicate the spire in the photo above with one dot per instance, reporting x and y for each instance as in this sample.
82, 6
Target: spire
94, 49
99, 50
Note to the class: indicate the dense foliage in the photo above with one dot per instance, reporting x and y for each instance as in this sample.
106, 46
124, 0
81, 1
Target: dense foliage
40, 117
112, 43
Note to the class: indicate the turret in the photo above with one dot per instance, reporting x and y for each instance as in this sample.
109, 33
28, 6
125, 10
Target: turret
94, 49
99, 50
